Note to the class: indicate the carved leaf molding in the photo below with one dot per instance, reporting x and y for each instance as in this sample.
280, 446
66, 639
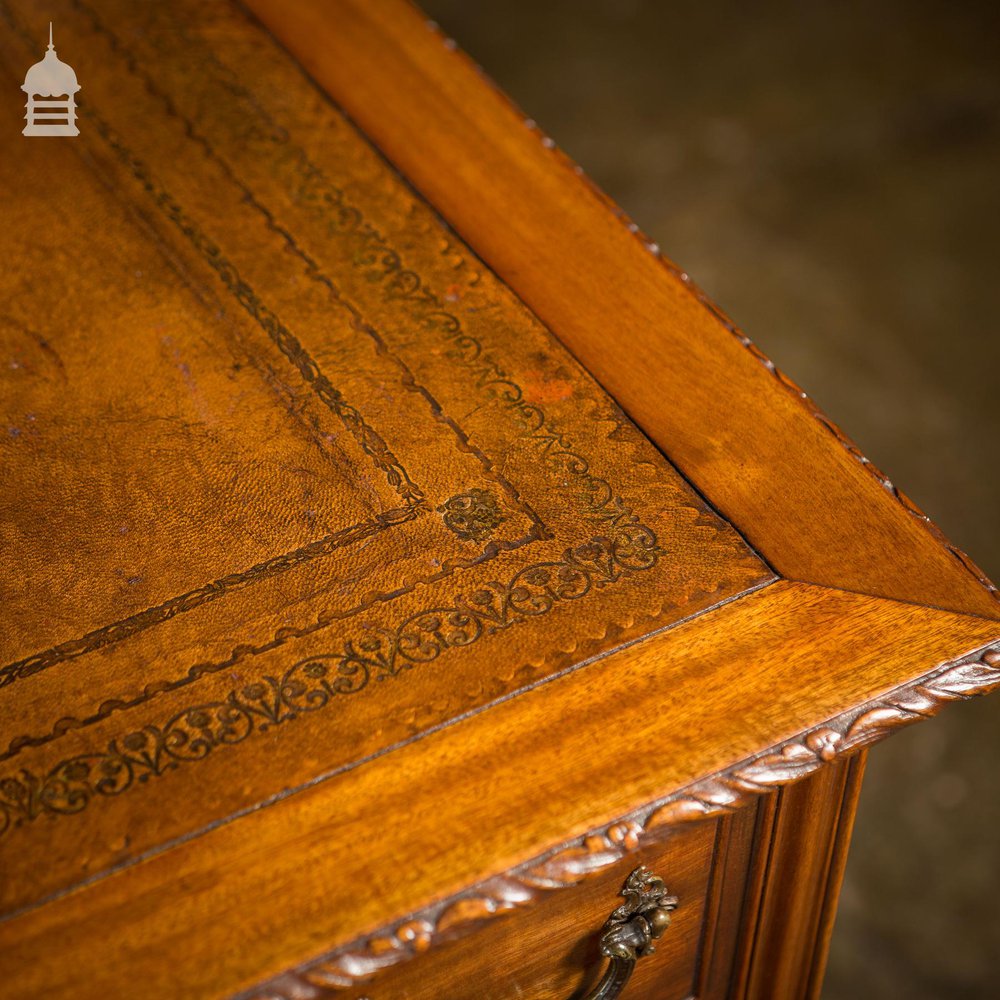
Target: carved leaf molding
973, 675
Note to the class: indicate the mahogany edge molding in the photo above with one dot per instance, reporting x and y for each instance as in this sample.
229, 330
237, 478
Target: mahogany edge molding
749, 438
776, 706
972, 675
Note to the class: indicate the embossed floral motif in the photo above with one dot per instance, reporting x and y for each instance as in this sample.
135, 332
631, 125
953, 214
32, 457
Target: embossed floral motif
190, 735
198, 730
473, 516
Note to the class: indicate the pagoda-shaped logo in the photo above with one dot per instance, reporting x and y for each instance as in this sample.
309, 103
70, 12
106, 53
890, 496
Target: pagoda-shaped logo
51, 88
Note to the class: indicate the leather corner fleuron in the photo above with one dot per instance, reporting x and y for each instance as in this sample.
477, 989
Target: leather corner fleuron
299, 478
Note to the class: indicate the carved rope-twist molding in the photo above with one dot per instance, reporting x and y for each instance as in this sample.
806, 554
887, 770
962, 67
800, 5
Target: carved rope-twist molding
970, 676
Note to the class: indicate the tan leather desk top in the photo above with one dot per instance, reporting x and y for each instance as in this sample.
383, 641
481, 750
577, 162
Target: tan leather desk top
291, 477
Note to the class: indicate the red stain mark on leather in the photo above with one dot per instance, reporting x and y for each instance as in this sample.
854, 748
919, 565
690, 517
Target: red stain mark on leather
545, 389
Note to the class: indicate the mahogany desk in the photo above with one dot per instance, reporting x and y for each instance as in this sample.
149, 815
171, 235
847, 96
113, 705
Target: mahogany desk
399, 552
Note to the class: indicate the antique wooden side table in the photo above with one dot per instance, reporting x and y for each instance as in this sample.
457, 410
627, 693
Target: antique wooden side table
412, 586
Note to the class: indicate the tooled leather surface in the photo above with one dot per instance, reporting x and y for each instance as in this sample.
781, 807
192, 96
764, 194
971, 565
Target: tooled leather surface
340, 450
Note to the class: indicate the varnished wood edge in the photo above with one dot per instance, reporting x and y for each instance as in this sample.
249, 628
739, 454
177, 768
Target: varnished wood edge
973, 591
974, 674
577, 177
835, 875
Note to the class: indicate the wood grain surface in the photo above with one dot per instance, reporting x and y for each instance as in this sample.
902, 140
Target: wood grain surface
384, 559
526, 772
799, 490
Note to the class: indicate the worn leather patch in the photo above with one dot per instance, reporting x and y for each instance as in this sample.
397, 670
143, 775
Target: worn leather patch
289, 476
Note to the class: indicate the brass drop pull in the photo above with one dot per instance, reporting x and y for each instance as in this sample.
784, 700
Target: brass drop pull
628, 934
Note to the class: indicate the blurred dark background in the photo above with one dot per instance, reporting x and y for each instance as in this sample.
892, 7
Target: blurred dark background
830, 174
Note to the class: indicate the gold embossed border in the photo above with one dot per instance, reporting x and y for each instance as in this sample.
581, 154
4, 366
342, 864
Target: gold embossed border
314, 683
371, 443
624, 546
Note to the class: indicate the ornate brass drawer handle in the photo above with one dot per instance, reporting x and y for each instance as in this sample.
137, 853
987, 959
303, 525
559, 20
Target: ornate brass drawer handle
628, 934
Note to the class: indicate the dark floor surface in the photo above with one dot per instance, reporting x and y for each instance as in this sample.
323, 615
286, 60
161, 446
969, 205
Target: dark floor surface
830, 174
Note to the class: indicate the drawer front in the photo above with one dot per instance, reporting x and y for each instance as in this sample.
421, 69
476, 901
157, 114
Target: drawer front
550, 948
756, 894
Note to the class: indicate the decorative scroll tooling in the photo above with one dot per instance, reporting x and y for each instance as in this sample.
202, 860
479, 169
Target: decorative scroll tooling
311, 684
371, 253
190, 735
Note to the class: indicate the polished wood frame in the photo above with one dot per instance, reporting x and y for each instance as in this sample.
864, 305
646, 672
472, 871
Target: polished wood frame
876, 622
740, 430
